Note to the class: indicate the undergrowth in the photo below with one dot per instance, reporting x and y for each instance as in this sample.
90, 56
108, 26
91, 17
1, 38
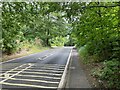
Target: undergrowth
108, 75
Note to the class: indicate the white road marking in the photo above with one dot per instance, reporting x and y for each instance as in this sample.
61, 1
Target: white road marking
28, 85
37, 72
46, 68
40, 70
2, 77
62, 81
44, 57
7, 75
28, 69
40, 73
50, 77
39, 59
12, 69
51, 65
15, 74
47, 56
33, 80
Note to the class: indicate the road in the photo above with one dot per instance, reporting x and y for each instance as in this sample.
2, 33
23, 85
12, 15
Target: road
40, 70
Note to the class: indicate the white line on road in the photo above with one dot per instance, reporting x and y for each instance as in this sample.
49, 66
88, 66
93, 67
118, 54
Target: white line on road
50, 65
41, 73
16, 73
50, 77
40, 70
27, 85
62, 81
33, 80
13, 69
31, 72
46, 68
48, 56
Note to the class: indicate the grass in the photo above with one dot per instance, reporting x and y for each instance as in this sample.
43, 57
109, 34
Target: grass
24, 52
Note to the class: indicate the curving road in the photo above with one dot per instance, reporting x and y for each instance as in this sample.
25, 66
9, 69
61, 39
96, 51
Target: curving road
40, 70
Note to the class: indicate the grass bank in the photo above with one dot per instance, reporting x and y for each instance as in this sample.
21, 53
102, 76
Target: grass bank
26, 50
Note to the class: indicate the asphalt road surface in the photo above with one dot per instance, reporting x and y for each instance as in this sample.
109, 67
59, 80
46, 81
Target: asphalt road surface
40, 70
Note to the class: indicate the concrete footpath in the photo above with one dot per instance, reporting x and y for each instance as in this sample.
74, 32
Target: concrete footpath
76, 77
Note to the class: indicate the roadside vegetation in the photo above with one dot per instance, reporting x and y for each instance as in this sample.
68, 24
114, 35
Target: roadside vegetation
94, 28
27, 48
97, 33
31, 27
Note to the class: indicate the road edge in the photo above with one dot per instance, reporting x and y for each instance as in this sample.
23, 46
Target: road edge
62, 81
20, 57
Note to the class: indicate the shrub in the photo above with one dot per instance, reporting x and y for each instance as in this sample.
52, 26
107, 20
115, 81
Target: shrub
110, 73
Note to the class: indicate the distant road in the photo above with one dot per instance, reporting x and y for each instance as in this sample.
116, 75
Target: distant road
40, 70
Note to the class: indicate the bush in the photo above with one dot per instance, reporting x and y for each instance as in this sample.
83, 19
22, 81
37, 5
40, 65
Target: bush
84, 54
110, 73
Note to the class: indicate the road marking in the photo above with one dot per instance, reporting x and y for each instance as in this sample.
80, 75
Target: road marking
50, 77
56, 71
31, 72
50, 65
33, 80
41, 73
62, 81
37, 75
16, 73
2, 77
39, 59
12, 69
28, 85
48, 56
44, 57
46, 68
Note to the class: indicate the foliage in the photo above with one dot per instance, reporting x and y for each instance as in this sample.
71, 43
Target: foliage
84, 54
96, 32
110, 72
58, 41
25, 21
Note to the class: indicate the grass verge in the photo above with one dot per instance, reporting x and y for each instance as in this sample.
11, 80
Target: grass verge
23, 52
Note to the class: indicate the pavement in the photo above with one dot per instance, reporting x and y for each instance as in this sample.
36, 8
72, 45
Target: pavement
76, 77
